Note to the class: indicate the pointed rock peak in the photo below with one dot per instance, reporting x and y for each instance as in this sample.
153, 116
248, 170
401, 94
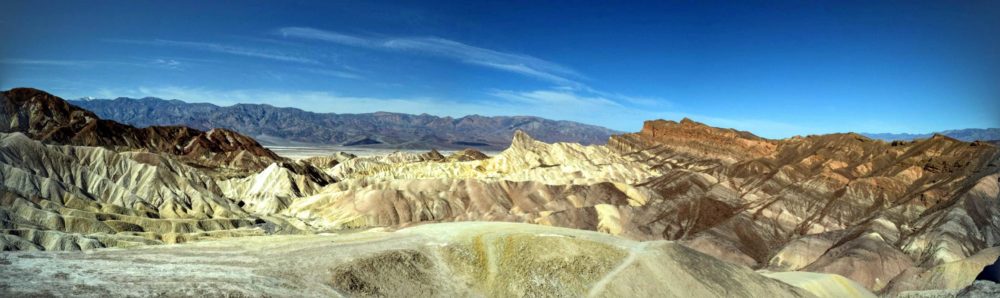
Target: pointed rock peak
210, 133
272, 168
521, 138
432, 155
688, 121
941, 138
860, 137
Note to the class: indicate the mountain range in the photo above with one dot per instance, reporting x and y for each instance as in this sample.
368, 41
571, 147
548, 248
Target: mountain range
968, 135
290, 126
281, 126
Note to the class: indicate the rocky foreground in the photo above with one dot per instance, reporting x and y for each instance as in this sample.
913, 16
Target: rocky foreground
817, 212
436, 260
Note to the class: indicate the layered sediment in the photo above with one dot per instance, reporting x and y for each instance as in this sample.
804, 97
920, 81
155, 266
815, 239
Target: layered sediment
892, 218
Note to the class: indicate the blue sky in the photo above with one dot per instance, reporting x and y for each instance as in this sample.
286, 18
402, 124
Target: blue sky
775, 68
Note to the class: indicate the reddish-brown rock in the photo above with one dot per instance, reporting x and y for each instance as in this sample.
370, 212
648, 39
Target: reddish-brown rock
50, 119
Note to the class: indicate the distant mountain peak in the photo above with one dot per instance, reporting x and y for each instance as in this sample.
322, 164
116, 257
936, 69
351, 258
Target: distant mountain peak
967, 135
521, 139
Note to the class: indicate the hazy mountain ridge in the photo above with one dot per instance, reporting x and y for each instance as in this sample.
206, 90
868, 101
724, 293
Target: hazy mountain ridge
968, 135
380, 129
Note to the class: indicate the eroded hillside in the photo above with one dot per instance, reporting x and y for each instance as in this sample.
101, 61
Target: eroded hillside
42, 116
892, 217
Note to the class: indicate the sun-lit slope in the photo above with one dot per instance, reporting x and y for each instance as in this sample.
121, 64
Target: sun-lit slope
822, 285
525, 160
953, 275
72, 197
841, 203
141, 182
364, 203
888, 216
557, 184
437, 260
272, 190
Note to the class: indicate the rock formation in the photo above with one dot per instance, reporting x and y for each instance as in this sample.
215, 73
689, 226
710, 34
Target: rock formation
845, 204
467, 154
900, 218
70, 197
50, 119
439, 260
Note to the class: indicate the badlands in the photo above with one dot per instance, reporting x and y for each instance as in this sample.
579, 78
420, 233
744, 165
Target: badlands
91, 207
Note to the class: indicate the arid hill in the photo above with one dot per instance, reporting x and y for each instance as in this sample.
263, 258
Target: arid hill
883, 214
873, 211
50, 119
892, 218
440, 260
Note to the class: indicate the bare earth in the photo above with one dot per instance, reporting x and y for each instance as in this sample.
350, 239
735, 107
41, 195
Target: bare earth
434, 260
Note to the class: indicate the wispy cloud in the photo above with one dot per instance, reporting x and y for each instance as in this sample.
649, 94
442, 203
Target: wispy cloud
333, 73
562, 76
445, 48
312, 33
48, 62
168, 63
553, 97
225, 49
158, 63
591, 107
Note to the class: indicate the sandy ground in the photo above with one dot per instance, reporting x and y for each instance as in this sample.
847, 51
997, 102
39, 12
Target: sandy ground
437, 260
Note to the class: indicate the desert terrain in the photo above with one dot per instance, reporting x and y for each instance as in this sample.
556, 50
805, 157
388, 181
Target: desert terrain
93, 207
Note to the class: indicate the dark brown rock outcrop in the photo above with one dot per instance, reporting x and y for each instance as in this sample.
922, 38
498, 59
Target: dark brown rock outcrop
50, 119
467, 155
